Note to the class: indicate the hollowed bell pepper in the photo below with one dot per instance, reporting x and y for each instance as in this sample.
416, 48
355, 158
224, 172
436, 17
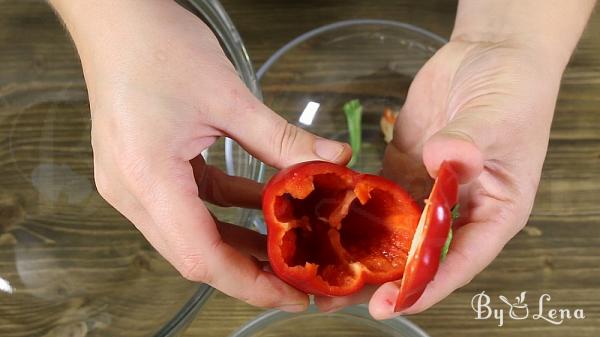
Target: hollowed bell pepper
332, 230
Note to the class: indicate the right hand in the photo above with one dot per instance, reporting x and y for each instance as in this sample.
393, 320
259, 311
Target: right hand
161, 91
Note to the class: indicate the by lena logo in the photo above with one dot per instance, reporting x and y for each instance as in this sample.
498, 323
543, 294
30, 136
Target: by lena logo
519, 309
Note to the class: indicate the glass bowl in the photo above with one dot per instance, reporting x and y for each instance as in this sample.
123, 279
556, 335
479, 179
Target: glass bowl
348, 322
70, 265
309, 80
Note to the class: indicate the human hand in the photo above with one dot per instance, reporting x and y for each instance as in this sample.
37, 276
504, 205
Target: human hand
487, 106
473, 104
161, 91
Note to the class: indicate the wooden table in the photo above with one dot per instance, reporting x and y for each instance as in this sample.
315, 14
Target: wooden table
557, 253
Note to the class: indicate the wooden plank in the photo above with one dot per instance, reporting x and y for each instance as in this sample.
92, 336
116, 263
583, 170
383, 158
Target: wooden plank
44, 120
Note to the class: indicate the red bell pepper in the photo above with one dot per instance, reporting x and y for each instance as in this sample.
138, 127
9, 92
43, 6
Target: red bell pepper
332, 230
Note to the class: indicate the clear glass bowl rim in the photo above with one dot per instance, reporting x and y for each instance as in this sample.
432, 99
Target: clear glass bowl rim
337, 25
398, 324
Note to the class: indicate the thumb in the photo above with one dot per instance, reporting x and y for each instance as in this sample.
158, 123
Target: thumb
273, 140
463, 141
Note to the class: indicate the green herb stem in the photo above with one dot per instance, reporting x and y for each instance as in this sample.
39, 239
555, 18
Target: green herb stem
353, 110
455, 215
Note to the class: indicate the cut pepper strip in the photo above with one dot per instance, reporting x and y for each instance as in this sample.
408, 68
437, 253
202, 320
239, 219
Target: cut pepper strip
430, 237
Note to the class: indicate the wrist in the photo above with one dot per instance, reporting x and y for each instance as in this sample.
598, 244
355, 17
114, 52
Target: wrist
549, 30
118, 40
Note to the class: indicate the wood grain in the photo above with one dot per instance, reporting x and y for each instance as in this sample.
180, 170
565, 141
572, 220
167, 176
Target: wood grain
88, 273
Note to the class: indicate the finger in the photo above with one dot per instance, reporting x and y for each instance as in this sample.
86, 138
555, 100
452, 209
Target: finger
220, 189
276, 142
196, 248
474, 246
457, 147
242, 278
244, 239
118, 196
330, 304
407, 172
467, 140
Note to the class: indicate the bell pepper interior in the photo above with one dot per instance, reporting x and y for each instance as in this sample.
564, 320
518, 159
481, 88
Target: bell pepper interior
331, 229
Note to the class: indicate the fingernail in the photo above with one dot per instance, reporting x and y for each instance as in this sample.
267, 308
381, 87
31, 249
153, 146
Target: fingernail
391, 304
292, 307
328, 149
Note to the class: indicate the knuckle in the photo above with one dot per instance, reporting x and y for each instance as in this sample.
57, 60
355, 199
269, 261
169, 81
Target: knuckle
131, 169
257, 280
136, 174
193, 268
104, 186
283, 140
241, 100
237, 103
